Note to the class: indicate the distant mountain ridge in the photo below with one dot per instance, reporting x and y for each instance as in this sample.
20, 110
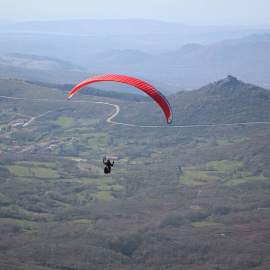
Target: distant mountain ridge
193, 65
103, 27
189, 67
133, 27
38, 62
180, 55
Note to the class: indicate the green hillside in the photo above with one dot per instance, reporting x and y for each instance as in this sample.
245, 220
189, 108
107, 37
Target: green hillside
227, 101
177, 198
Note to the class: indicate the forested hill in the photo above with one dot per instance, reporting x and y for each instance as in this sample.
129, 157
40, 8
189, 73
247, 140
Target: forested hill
223, 102
226, 101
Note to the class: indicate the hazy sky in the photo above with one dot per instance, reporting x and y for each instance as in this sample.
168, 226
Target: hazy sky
184, 11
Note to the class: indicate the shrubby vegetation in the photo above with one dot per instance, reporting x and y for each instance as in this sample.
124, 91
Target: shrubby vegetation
94, 91
177, 198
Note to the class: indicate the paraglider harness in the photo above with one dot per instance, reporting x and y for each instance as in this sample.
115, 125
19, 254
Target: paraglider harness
107, 168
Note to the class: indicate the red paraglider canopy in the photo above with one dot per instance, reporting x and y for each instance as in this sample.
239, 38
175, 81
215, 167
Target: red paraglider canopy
147, 88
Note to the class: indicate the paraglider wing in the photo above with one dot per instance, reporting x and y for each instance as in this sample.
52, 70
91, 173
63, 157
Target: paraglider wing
147, 88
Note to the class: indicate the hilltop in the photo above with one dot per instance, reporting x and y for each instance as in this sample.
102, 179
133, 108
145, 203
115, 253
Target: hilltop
226, 101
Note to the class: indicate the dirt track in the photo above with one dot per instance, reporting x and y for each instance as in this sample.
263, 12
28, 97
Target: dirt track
109, 120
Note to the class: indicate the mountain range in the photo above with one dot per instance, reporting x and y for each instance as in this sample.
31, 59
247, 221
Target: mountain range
98, 35
181, 56
190, 67
194, 65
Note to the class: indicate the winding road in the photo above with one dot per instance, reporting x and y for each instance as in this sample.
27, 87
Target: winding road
109, 120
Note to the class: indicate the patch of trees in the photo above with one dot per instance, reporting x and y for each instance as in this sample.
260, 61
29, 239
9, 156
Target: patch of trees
91, 91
